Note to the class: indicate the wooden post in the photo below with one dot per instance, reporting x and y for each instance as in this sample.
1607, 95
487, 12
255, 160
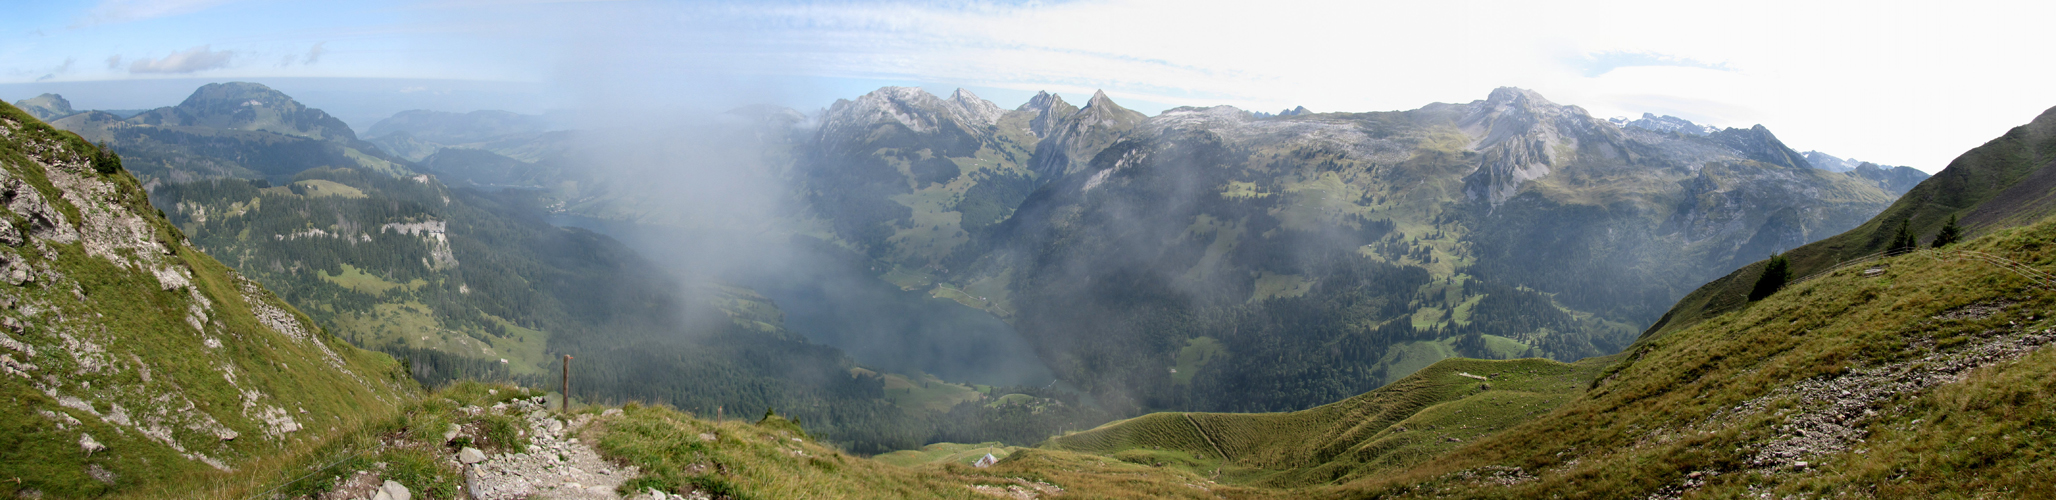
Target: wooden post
564, 406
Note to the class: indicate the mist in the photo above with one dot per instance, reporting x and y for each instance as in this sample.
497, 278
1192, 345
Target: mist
708, 196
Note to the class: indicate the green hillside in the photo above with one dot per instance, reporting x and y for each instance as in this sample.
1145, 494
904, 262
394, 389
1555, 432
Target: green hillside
2006, 182
1435, 410
130, 358
1917, 376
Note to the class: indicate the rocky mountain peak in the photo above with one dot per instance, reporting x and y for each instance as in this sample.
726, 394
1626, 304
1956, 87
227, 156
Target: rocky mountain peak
1070, 138
1050, 111
913, 108
1043, 102
982, 110
46, 107
1665, 124
1101, 110
1521, 134
1757, 143
1829, 162
1517, 97
1099, 98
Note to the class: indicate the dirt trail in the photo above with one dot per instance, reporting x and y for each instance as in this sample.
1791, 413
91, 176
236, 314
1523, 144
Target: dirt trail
556, 465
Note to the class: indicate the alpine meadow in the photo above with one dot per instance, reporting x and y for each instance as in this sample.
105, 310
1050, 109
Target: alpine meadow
645, 250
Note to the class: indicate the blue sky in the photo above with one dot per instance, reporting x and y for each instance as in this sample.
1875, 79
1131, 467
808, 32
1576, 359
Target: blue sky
1911, 83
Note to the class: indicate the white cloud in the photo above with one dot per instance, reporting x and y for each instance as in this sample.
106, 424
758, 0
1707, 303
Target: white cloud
114, 61
122, 11
190, 60
314, 53
59, 70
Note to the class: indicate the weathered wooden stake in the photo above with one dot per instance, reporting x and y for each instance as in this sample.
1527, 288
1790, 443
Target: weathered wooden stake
565, 405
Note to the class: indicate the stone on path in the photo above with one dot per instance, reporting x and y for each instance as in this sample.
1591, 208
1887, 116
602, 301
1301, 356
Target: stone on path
393, 490
470, 455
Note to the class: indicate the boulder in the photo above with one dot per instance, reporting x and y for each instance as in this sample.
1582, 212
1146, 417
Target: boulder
393, 490
87, 444
470, 455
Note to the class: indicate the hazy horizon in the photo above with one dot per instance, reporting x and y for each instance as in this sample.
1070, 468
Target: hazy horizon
1896, 84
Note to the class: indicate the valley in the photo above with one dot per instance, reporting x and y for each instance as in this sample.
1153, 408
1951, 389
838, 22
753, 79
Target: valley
1215, 304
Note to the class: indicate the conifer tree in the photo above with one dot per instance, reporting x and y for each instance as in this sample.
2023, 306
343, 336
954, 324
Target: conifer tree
1775, 273
1949, 234
1904, 241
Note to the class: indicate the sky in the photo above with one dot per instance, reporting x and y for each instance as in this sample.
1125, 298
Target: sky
1893, 82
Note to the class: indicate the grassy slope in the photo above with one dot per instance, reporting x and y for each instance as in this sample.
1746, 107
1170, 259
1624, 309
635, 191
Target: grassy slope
774, 460
1435, 409
1711, 398
770, 459
119, 338
2005, 182
965, 454
402, 442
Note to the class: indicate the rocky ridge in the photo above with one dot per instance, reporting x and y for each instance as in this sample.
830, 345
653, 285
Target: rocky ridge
911, 107
126, 344
1070, 142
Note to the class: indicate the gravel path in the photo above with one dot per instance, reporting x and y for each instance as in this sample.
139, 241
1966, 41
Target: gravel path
555, 466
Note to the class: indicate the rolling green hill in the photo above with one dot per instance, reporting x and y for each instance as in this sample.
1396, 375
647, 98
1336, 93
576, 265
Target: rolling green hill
1428, 413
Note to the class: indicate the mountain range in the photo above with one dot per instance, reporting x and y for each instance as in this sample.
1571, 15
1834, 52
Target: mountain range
1127, 248
1134, 251
1241, 265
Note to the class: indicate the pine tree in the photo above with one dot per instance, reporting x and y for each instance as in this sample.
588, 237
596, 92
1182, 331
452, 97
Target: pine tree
1775, 273
1903, 242
1949, 234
